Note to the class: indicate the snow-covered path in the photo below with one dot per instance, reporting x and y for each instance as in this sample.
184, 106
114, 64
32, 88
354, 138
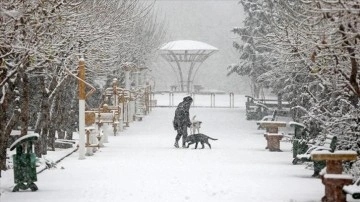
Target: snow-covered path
141, 164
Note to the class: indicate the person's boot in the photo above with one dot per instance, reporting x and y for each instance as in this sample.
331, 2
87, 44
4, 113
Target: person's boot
176, 144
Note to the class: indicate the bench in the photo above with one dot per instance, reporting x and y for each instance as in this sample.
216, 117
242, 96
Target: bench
106, 114
91, 141
352, 191
267, 118
109, 118
139, 117
254, 109
299, 140
329, 144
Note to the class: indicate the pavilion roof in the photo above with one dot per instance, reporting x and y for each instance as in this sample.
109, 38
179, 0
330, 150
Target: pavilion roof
187, 45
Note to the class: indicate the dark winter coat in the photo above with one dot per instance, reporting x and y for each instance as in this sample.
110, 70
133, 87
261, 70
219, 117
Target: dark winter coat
182, 116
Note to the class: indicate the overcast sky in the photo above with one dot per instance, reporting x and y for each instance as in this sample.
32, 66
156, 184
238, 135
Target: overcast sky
209, 21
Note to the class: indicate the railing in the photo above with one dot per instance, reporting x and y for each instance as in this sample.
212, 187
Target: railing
232, 99
212, 100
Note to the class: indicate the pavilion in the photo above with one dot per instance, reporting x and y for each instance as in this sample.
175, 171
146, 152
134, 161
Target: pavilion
188, 56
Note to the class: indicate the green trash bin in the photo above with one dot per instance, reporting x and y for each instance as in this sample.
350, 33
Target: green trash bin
24, 162
299, 142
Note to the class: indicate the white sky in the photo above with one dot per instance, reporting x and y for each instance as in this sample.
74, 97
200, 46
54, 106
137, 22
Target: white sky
141, 164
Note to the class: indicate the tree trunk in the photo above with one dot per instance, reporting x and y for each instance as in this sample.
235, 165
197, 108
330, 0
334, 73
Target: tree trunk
51, 138
43, 139
4, 137
354, 64
256, 88
24, 118
54, 121
71, 126
41, 118
6, 125
3, 141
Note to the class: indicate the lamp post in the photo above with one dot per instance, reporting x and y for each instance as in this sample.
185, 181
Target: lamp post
82, 97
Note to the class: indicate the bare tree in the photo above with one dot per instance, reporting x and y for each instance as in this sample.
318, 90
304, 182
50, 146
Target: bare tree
40, 43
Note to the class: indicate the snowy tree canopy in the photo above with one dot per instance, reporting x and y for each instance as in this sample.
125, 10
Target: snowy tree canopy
308, 52
40, 45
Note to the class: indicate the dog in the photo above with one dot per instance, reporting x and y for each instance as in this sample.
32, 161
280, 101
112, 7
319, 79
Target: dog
195, 126
196, 138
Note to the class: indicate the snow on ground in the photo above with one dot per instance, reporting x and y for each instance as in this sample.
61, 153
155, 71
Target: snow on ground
141, 164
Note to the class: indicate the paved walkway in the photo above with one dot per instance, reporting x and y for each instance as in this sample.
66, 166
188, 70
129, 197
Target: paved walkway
141, 164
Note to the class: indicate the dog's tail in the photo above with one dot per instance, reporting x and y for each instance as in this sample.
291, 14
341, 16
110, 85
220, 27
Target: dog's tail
212, 138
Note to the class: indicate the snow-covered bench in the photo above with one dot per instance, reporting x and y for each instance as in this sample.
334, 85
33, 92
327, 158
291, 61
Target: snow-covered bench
272, 117
106, 114
92, 118
92, 142
139, 117
98, 117
353, 191
299, 140
329, 145
109, 118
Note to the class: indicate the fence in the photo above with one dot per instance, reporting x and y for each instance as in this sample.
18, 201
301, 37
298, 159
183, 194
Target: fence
212, 100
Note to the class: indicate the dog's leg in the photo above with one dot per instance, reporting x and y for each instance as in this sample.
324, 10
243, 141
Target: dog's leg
208, 144
196, 145
190, 144
203, 146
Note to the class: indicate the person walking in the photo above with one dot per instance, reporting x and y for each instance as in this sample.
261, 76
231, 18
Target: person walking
182, 120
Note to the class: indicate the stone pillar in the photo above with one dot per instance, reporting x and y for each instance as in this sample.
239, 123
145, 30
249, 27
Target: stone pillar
273, 141
333, 187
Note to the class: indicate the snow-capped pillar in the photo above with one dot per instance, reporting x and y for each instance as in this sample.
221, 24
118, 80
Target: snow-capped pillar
82, 96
